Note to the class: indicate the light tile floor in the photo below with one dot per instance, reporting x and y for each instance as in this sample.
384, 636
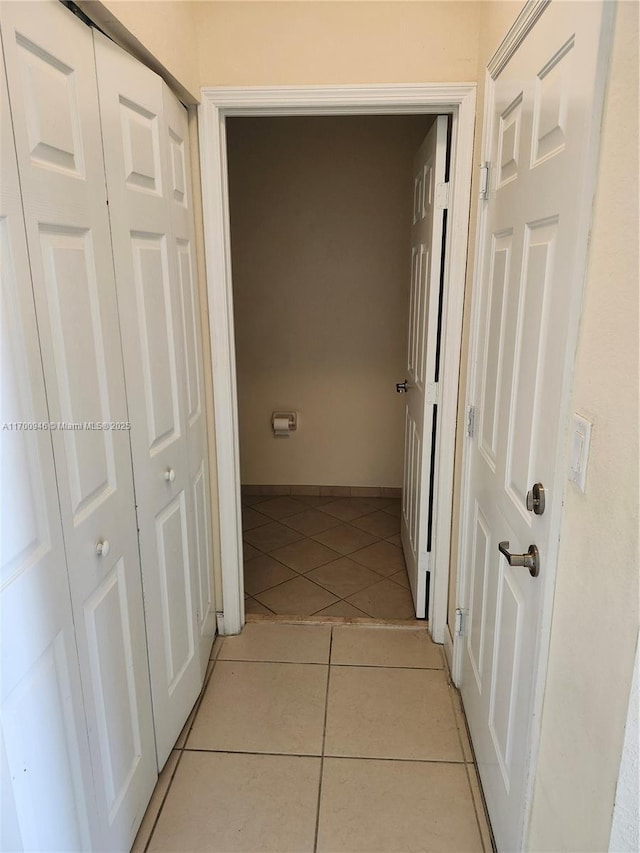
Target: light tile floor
324, 556
341, 738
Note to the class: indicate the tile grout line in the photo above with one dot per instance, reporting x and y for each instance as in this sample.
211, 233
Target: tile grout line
324, 739
181, 750
342, 665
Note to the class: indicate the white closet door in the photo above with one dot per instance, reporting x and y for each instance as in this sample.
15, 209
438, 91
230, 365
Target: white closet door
176, 130
52, 89
45, 756
139, 185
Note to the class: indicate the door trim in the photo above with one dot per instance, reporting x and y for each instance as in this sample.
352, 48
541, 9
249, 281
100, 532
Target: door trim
523, 24
218, 103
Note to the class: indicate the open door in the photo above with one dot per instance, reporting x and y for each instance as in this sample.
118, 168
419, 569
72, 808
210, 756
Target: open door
420, 385
543, 106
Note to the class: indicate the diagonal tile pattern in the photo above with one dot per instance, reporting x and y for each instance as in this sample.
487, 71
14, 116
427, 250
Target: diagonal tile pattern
321, 555
308, 738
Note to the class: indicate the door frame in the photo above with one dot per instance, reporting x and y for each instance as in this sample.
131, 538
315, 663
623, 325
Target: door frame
217, 104
454, 642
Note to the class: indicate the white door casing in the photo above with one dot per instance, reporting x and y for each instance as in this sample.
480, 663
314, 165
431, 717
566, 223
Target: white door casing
52, 90
46, 771
424, 296
458, 99
146, 181
544, 97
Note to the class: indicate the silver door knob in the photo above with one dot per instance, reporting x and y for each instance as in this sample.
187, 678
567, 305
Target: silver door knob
530, 560
536, 499
103, 547
402, 387
169, 475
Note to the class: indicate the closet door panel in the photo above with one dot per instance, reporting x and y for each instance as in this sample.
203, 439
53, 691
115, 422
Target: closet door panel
182, 227
46, 771
52, 87
139, 181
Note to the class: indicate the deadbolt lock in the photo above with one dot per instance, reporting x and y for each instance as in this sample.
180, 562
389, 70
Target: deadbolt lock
536, 499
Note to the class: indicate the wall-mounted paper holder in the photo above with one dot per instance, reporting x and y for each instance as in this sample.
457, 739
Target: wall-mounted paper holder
284, 423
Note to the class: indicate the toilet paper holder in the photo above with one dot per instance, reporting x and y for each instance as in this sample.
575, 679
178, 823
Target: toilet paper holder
290, 417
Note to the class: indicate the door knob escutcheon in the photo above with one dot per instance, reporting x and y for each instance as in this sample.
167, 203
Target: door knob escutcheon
402, 387
530, 560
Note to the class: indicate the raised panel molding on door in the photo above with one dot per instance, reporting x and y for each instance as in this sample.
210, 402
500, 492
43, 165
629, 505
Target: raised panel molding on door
146, 175
424, 295
46, 772
176, 130
52, 89
543, 107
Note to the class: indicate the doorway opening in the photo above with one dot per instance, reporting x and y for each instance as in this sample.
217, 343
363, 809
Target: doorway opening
219, 108
330, 287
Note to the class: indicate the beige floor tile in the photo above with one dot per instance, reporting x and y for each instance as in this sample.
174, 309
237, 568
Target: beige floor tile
315, 500
155, 803
393, 806
281, 507
383, 557
390, 713
262, 707
240, 804
248, 552
384, 600
481, 813
252, 500
297, 597
215, 648
268, 537
182, 737
373, 504
395, 647
263, 572
253, 606
345, 539
395, 540
311, 521
343, 577
304, 555
380, 524
276, 642
342, 609
251, 519
346, 509
401, 578
394, 509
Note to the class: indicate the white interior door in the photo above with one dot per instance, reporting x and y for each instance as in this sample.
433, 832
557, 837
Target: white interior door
426, 254
176, 131
46, 771
141, 186
533, 237
52, 90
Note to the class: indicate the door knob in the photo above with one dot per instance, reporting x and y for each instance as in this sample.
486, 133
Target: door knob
103, 547
536, 499
402, 387
530, 560
169, 475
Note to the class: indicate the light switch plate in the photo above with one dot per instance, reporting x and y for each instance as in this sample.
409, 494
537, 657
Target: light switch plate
579, 452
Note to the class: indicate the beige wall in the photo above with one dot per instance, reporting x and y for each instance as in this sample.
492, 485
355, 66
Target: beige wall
280, 43
595, 615
320, 224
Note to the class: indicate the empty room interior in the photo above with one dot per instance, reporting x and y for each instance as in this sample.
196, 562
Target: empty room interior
319, 436
321, 217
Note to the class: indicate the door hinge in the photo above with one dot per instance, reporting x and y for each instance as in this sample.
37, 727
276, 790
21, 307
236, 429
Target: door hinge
432, 392
471, 421
442, 196
484, 179
461, 622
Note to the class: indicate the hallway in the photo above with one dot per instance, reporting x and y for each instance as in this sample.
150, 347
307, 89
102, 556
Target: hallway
312, 737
